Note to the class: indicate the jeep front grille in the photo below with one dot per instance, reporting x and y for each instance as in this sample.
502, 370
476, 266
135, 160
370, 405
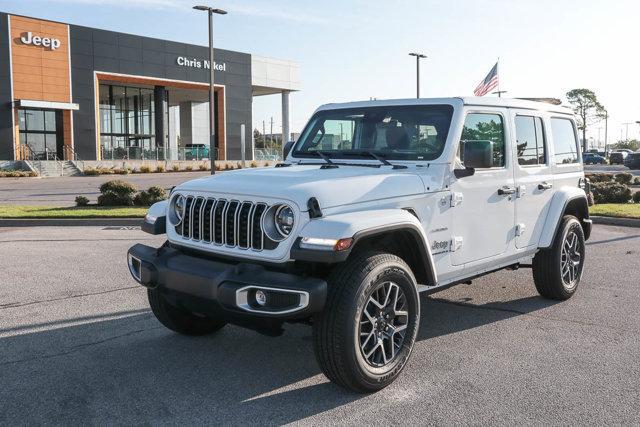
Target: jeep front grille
222, 222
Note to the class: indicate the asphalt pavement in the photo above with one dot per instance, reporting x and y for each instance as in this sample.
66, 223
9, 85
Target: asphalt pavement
62, 191
78, 345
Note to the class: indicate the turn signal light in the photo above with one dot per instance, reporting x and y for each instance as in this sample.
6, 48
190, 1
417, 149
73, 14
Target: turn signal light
343, 244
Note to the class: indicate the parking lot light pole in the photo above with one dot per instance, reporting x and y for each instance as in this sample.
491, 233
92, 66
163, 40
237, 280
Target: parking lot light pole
213, 146
418, 57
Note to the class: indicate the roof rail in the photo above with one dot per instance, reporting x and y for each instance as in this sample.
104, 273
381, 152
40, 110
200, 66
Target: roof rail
553, 101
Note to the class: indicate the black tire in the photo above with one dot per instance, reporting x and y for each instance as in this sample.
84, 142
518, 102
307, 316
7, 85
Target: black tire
180, 320
551, 280
337, 331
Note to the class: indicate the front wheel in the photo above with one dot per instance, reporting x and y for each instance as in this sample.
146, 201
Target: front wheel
557, 271
364, 336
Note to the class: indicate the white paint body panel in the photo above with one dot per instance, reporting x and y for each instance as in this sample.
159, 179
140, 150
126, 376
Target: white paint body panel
467, 226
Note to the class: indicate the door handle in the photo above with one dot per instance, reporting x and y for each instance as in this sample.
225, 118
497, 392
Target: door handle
544, 186
506, 190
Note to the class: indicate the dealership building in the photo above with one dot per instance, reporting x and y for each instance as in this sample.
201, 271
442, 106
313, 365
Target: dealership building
71, 92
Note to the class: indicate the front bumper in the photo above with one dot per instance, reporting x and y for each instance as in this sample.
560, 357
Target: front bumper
232, 288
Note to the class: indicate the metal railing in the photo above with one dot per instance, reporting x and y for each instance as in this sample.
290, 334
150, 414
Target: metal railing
271, 154
71, 155
158, 154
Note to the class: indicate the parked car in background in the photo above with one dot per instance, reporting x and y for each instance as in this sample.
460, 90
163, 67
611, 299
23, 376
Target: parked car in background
196, 151
593, 159
617, 157
632, 160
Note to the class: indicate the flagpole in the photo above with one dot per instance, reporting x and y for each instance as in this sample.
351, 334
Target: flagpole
498, 73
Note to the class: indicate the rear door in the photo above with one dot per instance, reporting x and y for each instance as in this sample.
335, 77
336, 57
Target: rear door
533, 175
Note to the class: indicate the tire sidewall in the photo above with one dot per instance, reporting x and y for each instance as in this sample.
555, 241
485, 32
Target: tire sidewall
402, 276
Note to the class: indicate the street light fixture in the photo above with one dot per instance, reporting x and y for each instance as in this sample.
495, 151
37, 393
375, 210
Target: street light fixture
213, 145
418, 57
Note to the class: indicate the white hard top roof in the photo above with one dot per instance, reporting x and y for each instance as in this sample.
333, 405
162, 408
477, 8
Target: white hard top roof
460, 101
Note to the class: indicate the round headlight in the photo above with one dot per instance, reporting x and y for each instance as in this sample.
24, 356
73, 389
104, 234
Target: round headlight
284, 220
178, 208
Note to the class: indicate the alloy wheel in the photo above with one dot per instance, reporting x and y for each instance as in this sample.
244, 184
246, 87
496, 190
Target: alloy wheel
571, 259
383, 324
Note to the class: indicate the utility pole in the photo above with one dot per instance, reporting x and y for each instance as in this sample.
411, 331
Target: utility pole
271, 133
606, 125
626, 135
418, 57
213, 144
264, 136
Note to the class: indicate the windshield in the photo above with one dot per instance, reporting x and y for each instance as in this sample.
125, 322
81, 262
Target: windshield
417, 132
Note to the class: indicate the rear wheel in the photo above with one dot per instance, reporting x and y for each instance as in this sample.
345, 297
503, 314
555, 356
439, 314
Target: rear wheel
557, 271
180, 320
364, 336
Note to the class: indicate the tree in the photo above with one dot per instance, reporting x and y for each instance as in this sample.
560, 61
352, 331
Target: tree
629, 144
588, 109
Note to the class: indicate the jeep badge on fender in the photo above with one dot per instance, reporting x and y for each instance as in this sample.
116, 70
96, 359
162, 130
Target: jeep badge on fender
376, 202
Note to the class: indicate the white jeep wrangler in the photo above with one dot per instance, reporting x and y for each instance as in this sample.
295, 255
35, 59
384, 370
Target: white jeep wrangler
376, 202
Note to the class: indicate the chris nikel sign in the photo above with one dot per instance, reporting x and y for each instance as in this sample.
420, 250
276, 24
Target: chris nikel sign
47, 42
197, 63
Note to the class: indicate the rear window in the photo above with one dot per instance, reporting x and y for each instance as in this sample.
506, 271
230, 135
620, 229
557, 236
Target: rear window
565, 141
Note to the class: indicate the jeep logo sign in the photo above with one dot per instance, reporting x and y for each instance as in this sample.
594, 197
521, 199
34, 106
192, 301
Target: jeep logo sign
29, 38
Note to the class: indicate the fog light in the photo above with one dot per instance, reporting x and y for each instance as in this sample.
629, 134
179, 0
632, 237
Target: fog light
261, 298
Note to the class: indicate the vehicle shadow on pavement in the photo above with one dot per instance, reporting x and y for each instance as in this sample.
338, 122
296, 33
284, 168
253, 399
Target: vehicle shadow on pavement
131, 370
445, 316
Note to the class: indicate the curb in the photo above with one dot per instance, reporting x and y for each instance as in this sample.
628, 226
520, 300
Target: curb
609, 220
70, 222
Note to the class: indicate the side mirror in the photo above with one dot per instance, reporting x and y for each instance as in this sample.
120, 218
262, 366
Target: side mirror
476, 155
287, 147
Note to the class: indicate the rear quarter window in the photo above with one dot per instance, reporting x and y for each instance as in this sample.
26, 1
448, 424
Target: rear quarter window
565, 141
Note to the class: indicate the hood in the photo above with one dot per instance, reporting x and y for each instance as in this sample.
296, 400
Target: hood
297, 183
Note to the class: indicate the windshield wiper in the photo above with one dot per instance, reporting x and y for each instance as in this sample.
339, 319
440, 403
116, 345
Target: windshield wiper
380, 159
326, 158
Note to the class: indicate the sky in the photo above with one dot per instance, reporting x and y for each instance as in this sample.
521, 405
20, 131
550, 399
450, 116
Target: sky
357, 49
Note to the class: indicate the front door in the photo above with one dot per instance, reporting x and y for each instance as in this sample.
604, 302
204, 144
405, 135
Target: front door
483, 223
533, 175
40, 133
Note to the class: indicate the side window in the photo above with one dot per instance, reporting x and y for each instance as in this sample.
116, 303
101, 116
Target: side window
485, 127
530, 142
565, 142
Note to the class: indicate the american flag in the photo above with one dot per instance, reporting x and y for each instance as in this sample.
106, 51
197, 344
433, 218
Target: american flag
489, 82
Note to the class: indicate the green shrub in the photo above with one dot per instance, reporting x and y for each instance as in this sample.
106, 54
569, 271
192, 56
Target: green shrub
81, 201
152, 195
10, 173
599, 177
239, 165
611, 192
254, 164
175, 167
203, 167
91, 172
218, 167
160, 168
623, 178
145, 169
121, 171
636, 197
188, 168
116, 193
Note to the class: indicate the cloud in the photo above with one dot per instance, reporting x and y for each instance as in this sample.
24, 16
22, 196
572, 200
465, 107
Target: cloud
243, 8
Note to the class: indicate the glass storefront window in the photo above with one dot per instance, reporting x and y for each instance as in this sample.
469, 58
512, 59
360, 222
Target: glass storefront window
39, 132
127, 122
